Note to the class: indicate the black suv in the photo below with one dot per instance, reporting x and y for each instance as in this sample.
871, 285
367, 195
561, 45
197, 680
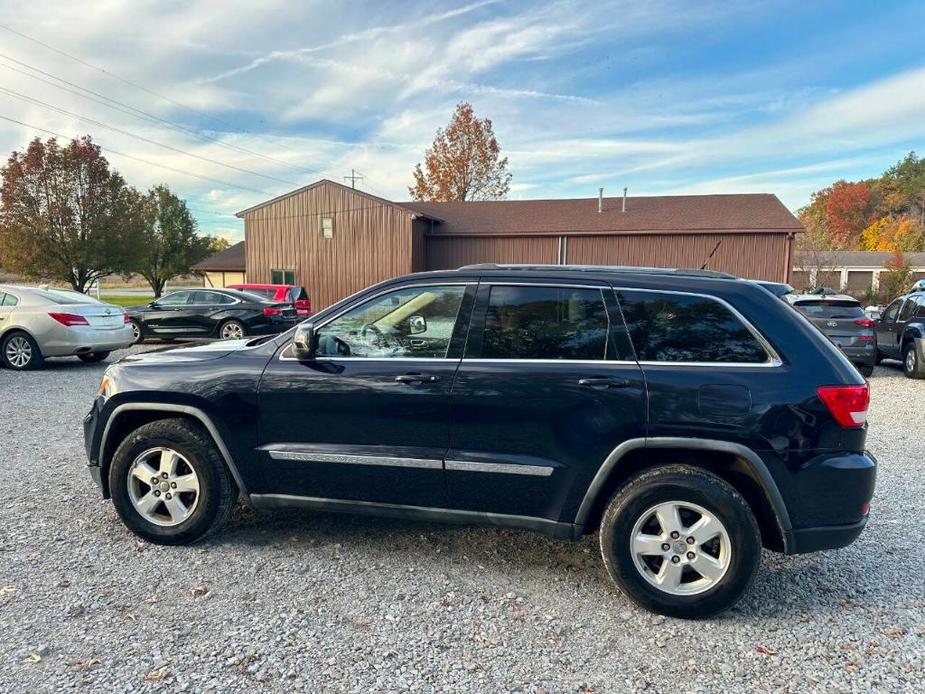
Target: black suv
901, 333
690, 417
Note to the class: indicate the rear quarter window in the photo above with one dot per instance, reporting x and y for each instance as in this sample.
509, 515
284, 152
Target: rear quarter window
669, 327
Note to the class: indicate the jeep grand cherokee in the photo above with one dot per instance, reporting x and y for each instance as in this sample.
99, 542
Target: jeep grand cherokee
688, 417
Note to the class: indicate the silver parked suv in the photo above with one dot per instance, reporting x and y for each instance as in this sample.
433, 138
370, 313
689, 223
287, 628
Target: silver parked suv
36, 323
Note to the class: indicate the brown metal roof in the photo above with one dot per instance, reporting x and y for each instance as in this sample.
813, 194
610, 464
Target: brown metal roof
742, 213
229, 260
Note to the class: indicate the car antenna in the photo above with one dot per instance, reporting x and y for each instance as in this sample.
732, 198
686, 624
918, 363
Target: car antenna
706, 262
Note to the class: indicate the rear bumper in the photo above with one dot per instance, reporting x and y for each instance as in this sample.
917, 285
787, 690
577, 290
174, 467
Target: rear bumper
805, 540
67, 341
834, 499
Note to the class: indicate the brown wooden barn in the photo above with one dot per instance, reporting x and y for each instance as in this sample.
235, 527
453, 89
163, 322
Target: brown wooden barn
335, 240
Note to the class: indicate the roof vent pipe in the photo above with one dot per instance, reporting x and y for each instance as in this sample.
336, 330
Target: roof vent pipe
624, 199
600, 200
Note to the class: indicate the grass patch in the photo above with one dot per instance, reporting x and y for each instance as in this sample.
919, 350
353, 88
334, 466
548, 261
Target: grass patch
125, 301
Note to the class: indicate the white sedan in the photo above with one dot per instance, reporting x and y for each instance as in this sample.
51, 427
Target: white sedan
36, 323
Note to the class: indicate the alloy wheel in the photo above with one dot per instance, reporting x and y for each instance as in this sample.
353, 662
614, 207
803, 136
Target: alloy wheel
136, 332
163, 487
681, 548
910, 360
18, 351
232, 331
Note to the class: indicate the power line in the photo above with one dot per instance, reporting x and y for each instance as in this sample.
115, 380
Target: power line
137, 112
57, 109
130, 83
143, 161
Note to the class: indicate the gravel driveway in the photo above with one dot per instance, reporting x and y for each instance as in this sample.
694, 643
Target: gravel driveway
335, 603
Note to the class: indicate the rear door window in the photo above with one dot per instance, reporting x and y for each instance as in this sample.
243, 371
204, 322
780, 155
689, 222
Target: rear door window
175, 299
670, 327
524, 322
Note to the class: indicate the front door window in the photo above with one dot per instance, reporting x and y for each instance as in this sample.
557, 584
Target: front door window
415, 322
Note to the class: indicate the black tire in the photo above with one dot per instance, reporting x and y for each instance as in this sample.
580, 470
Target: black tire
92, 357
35, 361
138, 335
218, 492
878, 358
865, 370
685, 484
229, 323
910, 355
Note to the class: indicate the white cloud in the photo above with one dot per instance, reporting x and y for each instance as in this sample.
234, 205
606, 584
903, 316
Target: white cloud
580, 95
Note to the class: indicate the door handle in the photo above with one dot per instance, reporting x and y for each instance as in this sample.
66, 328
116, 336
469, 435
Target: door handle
416, 378
418, 343
603, 382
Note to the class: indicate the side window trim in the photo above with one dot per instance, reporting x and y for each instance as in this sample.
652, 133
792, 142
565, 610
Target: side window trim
468, 284
773, 360
480, 312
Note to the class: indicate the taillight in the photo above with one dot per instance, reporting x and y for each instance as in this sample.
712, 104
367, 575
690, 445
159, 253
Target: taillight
69, 319
272, 311
126, 319
865, 322
866, 338
848, 404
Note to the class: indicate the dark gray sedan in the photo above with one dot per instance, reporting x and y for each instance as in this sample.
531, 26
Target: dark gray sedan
843, 320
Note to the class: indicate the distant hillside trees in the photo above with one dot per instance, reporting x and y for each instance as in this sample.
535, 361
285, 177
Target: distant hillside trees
877, 214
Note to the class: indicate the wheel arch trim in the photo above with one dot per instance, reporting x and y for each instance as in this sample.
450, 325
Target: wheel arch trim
751, 459
190, 411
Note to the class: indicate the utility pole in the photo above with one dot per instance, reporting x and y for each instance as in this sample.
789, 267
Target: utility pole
354, 177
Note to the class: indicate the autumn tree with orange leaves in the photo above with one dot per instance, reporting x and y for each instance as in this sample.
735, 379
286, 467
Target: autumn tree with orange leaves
464, 162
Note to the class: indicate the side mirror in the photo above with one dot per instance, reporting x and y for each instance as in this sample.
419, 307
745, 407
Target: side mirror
417, 324
153, 304
303, 342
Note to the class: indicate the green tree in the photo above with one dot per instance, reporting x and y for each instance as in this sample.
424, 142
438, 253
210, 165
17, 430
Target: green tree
63, 213
165, 242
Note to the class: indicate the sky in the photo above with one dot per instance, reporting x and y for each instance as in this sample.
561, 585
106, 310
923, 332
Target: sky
231, 103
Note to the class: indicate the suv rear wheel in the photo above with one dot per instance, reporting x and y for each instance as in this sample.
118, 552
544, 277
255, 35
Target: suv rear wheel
680, 541
169, 483
911, 366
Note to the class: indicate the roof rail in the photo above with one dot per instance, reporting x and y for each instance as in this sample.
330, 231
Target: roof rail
684, 272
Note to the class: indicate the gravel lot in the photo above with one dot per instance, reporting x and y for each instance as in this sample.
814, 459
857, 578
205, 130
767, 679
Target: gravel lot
303, 601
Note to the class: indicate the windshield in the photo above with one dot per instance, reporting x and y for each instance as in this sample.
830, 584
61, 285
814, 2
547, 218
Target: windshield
831, 309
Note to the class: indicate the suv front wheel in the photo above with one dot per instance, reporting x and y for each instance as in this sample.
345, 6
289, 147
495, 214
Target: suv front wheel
169, 483
680, 541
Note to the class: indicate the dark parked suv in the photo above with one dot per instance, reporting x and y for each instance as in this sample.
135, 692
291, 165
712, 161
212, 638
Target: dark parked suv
901, 333
690, 417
